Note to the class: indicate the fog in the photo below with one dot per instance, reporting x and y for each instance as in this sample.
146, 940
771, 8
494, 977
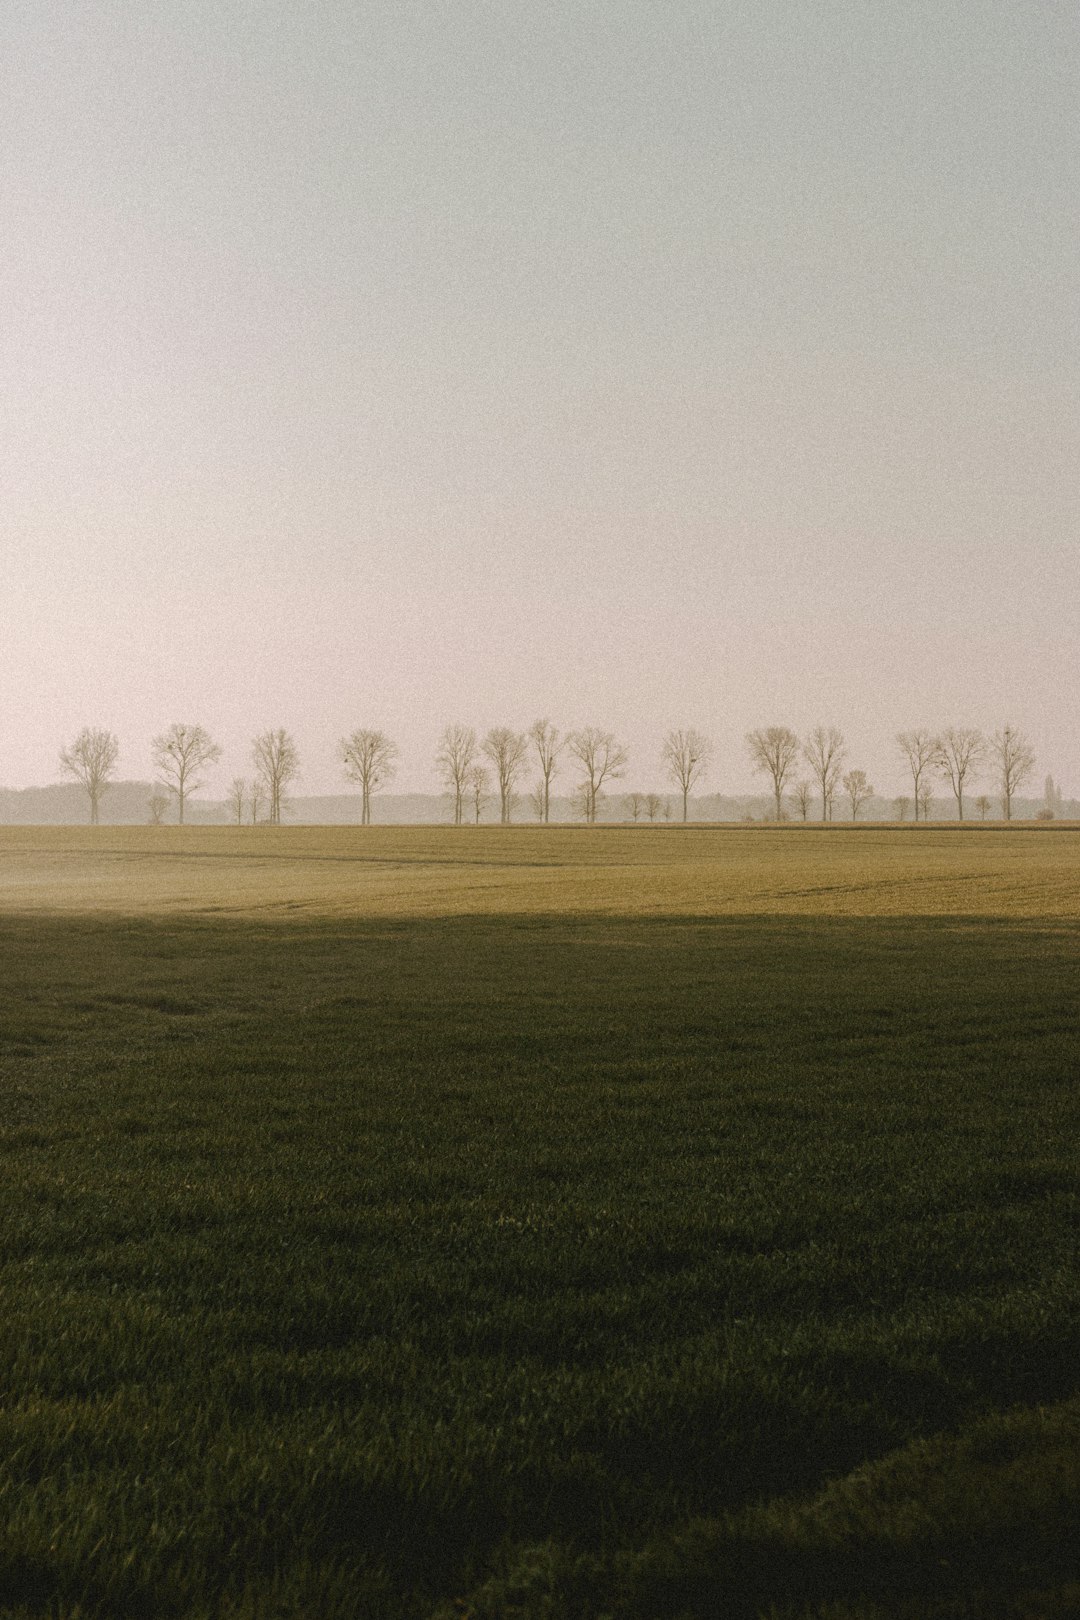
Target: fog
395, 365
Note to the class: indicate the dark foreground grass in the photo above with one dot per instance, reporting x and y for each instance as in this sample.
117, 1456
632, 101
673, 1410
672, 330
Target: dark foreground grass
505, 1268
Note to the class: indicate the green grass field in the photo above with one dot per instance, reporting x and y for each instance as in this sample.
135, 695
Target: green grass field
640, 1223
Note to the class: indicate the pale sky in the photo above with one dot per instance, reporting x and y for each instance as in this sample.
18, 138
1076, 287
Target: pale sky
398, 362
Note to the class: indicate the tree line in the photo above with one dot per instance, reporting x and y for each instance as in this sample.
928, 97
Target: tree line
959, 756
476, 771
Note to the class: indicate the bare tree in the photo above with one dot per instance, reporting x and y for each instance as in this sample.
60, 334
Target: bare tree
256, 798
601, 759
580, 802
653, 805
901, 806
506, 750
919, 748
982, 805
773, 752
958, 753
91, 760
549, 746
537, 800
157, 804
635, 804
1015, 759
178, 754
457, 752
926, 799
823, 751
858, 790
800, 798
369, 759
477, 784
277, 764
237, 798
685, 755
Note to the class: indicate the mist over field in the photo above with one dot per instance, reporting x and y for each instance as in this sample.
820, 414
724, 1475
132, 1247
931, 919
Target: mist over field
126, 805
401, 366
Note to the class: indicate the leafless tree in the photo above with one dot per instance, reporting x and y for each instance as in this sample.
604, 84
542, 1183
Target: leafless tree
858, 790
982, 805
507, 751
256, 798
178, 754
823, 751
457, 752
277, 764
653, 805
635, 804
549, 746
237, 798
476, 786
919, 748
91, 760
666, 812
800, 798
369, 759
1015, 759
685, 756
902, 805
157, 804
926, 799
537, 800
959, 753
601, 759
580, 803
773, 752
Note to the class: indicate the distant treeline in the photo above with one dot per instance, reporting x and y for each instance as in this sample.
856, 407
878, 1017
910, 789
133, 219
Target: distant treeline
508, 775
64, 804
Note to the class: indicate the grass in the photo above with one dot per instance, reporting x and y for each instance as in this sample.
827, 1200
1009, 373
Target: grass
531, 1250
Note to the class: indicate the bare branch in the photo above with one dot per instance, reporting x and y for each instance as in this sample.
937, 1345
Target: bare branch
277, 764
549, 746
369, 759
601, 758
177, 754
1015, 761
919, 748
506, 750
773, 751
91, 760
457, 752
823, 751
858, 790
958, 754
686, 755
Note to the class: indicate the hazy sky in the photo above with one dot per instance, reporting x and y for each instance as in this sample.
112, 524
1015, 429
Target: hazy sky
650, 363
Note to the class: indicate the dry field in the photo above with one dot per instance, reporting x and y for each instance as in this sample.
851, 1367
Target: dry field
427, 872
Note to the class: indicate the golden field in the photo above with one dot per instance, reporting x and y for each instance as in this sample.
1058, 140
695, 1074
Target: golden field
423, 871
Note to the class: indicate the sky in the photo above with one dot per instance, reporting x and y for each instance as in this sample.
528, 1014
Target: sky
657, 363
